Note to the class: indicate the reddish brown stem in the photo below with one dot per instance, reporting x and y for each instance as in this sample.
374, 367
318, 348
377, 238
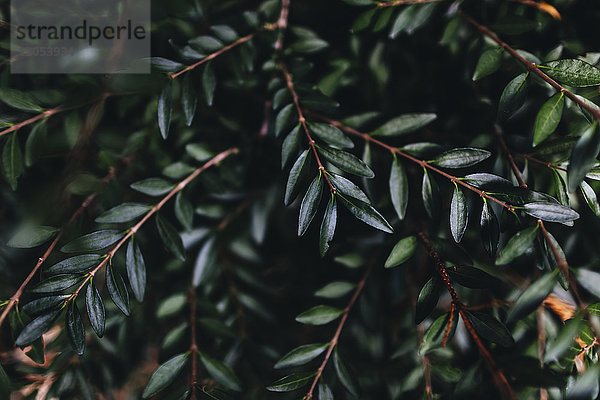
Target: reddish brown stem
31, 120
511, 160
338, 331
530, 66
497, 373
282, 23
449, 326
193, 345
547, 164
404, 2
180, 186
17, 295
422, 163
302, 120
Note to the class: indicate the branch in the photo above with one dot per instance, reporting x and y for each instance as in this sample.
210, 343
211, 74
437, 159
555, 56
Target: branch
282, 23
193, 345
180, 186
497, 373
403, 2
17, 295
302, 120
336, 336
31, 120
422, 163
511, 160
547, 164
530, 66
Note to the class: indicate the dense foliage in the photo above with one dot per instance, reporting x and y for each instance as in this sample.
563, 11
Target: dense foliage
310, 199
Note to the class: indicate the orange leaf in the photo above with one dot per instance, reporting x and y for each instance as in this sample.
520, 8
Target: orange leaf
547, 8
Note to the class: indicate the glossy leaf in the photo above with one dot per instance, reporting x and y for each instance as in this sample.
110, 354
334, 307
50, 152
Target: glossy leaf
95, 308
93, 241
74, 265
19, 100
310, 204
153, 186
488, 63
431, 196
43, 304
299, 168
56, 283
513, 96
209, 83
319, 315
405, 123
583, 157
12, 160
36, 328
572, 72
461, 157
427, 299
328, 225
75, 329
434, 335
346, 162
548, 118
301, 355
331, 135
551, 212
532, 297
291, 382
348, 188
165, 374
184, 211
117, 290
165, 110
517, 245
399, 188
346, 378
284, 119
170, 237
221, 373
490, 229
123, 213
28, 236
366, 213
189, 99
402, 252
136, 270
490, 328
205, 261
589, 280
459, 214
335, 290
590, 197
290, 145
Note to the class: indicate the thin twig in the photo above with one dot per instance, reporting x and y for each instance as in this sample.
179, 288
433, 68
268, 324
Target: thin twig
531, 66
497, 373
193, 345
31, 120
180, 186
511, 160
302, 120
547, 164
17, 295
422, 163
282, 23
338, 331
404, 2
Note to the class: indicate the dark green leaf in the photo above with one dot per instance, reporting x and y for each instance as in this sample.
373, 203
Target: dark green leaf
551, 212
291, 382
153, 186
330, 134
205, 261
290, 145
402, 251
209, 83
572, 72
431, 195
37, 143
301, 355
490, 328
561, 189
461, 157
344, 375
490, 229
221, 373
405, 123
435, 334
19, 100
170, 237
136, 270
548, 118
28, 236
284, 119
310, 204
123, 213
488, 63
74, 265
589, 280
324, 392
95, 308
428, 298
585, 386
93, 241
299, 168
165, 374
328, 226
532, 297
513, 96
165, 110
583, 157
319, 315
335, 290
411, 18
36, 328
590, 197
366, 213
117, 290
488, 182
206, 43
399, 188
459, 214
346, 162
12, 160
517, 245
470, 277
184, 211
43, 304
189, 100
308, 45
363, 20
75, 329
56, 283
348, 188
